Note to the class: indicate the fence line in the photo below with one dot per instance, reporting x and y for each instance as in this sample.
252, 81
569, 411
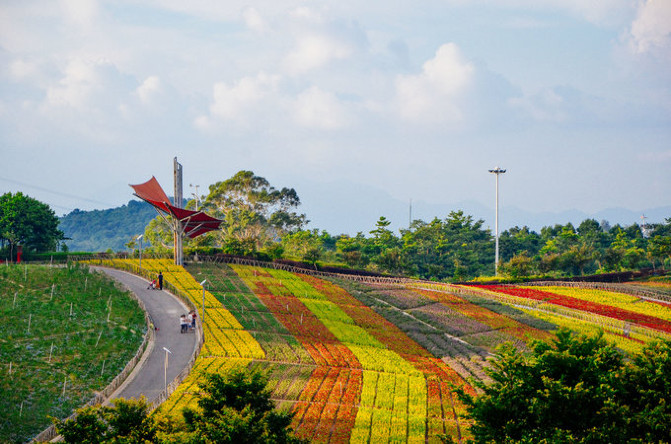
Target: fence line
620, 288
542, 306
101, 397
50, 432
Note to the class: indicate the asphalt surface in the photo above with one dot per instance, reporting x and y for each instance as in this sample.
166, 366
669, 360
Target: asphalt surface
149, 377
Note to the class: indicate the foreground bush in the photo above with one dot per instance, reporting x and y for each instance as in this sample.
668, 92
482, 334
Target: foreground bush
576, 389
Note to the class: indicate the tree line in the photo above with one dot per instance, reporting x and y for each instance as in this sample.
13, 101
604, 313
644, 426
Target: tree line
263, 221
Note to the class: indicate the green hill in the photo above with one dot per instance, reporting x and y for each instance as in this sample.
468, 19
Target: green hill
100, 230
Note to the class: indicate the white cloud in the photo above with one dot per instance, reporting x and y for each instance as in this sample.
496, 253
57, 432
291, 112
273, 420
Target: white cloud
81, 79
545, 106
313, 51
254, 20
236, 102
149, 88
83, 13
433, 95
652, 28
318, 109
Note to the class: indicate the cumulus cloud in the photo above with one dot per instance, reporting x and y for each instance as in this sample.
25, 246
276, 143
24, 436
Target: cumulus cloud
235, 102
432, 96
148, 89
254, 20
82, 13
651, 30
315, 108
314, 51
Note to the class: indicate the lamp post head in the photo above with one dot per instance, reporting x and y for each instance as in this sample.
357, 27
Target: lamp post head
497, 171
167, 350
140, 236
202, 284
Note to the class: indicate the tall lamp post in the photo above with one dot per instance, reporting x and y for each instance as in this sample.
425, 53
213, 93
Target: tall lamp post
140, 239
498, 171
202, 284
165, 369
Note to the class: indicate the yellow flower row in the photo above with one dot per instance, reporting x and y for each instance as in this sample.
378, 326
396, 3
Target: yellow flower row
611, 333
613, 299
394, 393
390, 404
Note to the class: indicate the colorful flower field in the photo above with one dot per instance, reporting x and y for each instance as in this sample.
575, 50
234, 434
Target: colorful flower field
368, 363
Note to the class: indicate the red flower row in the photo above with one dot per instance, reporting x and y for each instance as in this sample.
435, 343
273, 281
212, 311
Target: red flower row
588, 306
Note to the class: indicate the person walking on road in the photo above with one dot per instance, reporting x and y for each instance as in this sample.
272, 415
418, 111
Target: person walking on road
160, 280
184, 325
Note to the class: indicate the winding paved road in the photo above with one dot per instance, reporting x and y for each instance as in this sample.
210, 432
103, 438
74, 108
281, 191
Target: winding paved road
148, 378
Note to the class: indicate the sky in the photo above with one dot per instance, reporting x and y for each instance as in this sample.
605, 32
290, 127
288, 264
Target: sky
377, 102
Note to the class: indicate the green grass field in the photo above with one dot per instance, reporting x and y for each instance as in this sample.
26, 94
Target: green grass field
66, 332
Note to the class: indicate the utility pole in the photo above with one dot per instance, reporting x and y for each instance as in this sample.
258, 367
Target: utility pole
498, 171
178, 248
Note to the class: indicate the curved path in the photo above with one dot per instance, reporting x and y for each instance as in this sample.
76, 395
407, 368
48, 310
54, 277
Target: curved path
148, 378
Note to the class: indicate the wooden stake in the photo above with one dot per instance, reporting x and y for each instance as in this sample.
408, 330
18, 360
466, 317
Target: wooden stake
51, 351
30, 318
15, 295
10, 368
65, 380
86, 282
21, 410
101, 333
52, 291
103, 370
109, 312
70, 308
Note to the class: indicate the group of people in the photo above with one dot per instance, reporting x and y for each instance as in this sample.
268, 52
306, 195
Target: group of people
156, 284
188, 322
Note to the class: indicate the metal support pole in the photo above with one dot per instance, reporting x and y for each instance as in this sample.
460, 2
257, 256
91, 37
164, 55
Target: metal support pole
165, 369
498, 171
140, 239
202, 319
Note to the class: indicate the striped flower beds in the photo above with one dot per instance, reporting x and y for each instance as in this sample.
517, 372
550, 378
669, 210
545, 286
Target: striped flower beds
584, 305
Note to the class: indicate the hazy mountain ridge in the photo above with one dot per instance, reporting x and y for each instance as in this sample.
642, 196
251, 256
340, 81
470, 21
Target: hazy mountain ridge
352, 208
345, 208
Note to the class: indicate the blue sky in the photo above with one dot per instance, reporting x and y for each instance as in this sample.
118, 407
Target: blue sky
341, 100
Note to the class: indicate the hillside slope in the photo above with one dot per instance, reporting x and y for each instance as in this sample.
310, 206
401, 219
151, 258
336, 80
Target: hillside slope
100, 230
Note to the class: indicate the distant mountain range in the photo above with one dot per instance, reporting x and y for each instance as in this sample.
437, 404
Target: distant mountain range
344, 209
347, 208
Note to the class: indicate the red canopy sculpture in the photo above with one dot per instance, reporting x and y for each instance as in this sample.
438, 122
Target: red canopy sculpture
192, 223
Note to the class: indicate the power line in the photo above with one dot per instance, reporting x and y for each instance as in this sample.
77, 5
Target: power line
57, 193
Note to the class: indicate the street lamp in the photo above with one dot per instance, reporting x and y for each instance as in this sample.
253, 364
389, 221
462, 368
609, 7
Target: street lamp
202, 321
140, 239
498, 171
195, 194
165, 369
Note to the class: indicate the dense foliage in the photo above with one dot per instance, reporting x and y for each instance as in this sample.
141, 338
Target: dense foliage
232, 408
100, 230
576, 389
27, 222
261, 220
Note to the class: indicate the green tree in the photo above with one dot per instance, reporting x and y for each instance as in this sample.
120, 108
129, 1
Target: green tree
304, 245
520, 265
253, 211
27, 222
576, 389
125, 422
236, 408
457, 247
